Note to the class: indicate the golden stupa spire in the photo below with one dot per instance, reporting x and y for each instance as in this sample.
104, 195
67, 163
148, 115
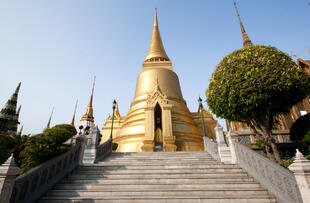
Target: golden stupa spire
49, 120
156, 51
88, 114
73, 118
246, 40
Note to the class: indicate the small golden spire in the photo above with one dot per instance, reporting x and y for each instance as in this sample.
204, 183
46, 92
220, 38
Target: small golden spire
156, 51
116, 112
50, 119
246, 40
73, 118
88, 114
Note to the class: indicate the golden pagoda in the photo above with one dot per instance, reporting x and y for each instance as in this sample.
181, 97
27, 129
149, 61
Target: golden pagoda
158, 118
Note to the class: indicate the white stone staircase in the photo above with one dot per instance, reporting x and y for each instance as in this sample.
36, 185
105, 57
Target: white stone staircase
158, 177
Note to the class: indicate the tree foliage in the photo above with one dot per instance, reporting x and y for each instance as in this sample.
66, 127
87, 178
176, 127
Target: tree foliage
42, 147
254, 84
255, 80
14, 143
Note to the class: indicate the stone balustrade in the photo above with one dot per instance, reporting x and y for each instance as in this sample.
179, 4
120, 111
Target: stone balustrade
211, 147
286, 186
278, 180
34, 183
103, 150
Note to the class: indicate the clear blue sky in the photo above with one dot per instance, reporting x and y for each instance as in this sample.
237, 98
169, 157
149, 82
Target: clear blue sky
56, 47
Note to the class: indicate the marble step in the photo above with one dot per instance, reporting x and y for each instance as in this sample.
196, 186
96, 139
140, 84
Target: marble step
109, 166
79, 176
160, 171
159, 157
154, 162
142, 187
153, 192
156, 181
163, 199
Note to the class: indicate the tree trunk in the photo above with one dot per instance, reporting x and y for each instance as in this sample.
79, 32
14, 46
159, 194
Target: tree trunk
275, 151
269, 155
265, 125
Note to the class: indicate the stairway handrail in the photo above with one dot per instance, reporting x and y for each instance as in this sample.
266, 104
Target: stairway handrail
30, 186
103, 150
278, 180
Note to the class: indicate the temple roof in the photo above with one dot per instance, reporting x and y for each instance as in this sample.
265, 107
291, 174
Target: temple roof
156, 51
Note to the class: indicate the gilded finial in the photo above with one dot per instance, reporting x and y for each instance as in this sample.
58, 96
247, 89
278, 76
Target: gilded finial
116, 112
155, 17
246, 40
88, 114
156, 51
73, 118
50, 119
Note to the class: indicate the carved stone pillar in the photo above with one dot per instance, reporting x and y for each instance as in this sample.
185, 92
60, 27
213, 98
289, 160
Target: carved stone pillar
169, 139
148, 142
232, 138
301, 169
8, 173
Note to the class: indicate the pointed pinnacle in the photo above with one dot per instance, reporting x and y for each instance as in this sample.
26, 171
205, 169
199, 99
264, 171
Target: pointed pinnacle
155, 18
156, 50
246, 40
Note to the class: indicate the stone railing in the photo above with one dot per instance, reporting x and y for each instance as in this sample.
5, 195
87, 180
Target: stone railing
34, 183
211, 147
278, 180
103, 150
287, 186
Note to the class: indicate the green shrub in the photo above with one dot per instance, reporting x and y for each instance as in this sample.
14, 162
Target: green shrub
114, 146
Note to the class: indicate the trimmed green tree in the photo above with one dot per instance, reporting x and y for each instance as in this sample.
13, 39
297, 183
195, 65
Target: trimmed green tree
253, 85
42, 147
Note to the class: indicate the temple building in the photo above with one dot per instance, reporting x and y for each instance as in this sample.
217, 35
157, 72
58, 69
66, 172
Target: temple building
9, 116
284, 121
158, 118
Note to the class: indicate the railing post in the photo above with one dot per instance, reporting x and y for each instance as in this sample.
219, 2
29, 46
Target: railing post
82, 140
223, 150
8, 173
301, 169
231, 141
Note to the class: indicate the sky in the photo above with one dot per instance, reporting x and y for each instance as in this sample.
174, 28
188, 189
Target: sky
55, 48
